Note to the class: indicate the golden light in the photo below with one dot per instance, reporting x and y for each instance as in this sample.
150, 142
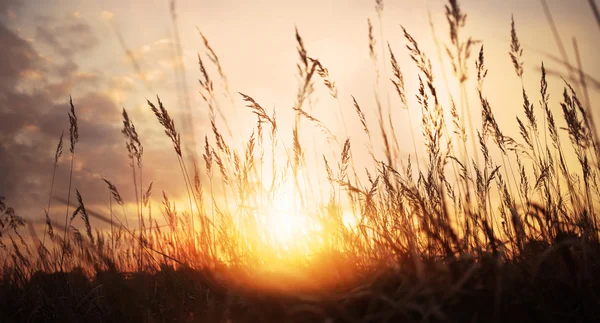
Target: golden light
349, 219
287, 226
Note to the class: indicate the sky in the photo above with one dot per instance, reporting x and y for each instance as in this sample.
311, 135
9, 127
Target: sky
54, 49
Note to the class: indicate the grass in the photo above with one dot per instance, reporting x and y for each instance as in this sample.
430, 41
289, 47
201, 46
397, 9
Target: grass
485, 226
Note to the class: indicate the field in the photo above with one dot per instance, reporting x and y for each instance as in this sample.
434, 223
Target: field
493, 223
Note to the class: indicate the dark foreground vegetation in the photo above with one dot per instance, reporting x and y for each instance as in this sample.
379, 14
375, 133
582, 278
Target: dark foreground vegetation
490, 225
557, 283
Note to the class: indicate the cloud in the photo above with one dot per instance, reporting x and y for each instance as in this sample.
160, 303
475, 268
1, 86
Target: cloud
34, 96
17, 57
80, 80
68, 36
156, 61
8, 7
107, 15
31, 124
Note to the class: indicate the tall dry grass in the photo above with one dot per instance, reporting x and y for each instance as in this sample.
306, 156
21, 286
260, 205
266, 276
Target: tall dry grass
504, 206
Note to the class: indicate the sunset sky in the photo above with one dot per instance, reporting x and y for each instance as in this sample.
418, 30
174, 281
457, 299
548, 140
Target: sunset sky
55, 48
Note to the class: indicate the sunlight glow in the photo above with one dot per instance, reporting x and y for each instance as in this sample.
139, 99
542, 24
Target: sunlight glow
287, 226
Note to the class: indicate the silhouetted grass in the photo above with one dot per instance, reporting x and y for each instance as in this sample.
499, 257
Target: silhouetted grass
505, 232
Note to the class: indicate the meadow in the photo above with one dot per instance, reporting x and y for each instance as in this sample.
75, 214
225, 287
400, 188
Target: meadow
490, 225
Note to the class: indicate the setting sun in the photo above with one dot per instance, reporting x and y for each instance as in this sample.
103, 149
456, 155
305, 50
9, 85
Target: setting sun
299, 161
286, 226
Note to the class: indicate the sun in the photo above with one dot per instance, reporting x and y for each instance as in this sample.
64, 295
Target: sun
287, 225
